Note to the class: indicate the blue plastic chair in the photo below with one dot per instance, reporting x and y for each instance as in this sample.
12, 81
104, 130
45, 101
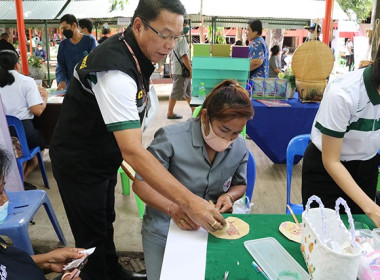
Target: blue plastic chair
251, 176
296, 147
21, 210
27, 154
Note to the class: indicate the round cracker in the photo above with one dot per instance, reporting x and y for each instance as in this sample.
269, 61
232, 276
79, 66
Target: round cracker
237, 228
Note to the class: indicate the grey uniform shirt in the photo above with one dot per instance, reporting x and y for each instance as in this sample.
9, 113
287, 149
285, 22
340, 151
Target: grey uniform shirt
181, 48
180, 148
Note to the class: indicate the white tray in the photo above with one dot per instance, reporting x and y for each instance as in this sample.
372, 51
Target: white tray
275, 260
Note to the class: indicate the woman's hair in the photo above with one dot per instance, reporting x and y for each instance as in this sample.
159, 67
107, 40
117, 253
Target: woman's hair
228, 100
5, 162
8, 60
376, 70
256, 25
275, 50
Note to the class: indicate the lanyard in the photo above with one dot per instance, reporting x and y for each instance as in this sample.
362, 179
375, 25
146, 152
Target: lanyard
138, 69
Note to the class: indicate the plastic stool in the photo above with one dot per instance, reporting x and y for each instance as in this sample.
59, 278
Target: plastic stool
21, 210
125, 182
126, 190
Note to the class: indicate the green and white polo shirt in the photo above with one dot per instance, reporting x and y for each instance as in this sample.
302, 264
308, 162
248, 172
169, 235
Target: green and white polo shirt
350, 110
115, 93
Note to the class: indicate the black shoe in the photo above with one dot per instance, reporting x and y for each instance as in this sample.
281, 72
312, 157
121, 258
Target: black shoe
123, 274
130, 275
29, 186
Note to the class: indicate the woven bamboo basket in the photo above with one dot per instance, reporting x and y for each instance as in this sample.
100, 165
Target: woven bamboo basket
312, 63
310, 91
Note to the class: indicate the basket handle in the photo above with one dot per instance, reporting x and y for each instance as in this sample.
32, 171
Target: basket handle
322, 207
341, 201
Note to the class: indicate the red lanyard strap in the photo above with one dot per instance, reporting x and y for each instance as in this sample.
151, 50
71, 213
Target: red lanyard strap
138, 68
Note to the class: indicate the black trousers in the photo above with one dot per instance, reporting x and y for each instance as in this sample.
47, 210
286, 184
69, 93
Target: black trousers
91, 213
316, 180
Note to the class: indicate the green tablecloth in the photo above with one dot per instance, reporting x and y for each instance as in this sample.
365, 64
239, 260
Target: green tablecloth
231, 255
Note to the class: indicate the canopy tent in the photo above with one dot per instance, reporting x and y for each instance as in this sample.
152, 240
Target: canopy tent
273, 13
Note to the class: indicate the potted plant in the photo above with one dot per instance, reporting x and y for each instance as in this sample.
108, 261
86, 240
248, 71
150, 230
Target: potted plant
288, 74
37, 69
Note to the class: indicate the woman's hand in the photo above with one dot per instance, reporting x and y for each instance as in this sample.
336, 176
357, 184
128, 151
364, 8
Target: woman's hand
224, 204
182, 220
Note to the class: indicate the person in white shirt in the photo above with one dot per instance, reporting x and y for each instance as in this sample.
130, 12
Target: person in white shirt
342, 158
23, 99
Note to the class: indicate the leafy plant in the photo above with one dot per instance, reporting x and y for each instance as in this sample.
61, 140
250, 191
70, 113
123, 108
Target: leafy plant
219, 35
35, 61
362, 8
116, 3
288, 74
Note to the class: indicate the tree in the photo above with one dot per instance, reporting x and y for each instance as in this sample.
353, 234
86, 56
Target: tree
362, 8
115, 3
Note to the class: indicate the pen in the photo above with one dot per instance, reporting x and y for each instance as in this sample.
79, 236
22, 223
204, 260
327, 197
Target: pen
260, 270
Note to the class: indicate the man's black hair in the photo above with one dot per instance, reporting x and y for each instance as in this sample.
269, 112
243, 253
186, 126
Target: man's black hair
149, 10
85, 23
275, 50
70, 19
256, 25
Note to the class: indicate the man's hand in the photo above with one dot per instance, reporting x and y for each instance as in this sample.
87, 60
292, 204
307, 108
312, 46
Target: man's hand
204, 214
182, 220
61, 86
55, 260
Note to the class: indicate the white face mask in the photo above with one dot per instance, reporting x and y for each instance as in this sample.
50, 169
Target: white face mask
3, 212
215, 142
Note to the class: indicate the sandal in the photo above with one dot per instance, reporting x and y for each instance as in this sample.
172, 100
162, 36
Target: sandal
174, 117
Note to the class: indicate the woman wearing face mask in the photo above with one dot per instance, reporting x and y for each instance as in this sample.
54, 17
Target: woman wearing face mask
205, 154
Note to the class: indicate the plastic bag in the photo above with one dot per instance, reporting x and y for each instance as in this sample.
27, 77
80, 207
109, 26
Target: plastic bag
242, 206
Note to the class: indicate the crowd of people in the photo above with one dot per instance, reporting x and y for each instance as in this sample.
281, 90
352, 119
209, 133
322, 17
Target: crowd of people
107, 92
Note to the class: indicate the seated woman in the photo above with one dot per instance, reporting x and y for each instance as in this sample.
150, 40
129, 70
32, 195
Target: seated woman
205, 154
17, 264
342, 158
23, 99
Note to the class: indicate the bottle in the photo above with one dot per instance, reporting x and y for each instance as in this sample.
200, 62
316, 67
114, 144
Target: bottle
202, 91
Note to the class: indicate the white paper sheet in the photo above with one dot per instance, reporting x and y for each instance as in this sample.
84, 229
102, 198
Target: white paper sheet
185, 254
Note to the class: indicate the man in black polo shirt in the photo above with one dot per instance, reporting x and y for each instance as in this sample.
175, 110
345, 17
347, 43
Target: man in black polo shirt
99, 126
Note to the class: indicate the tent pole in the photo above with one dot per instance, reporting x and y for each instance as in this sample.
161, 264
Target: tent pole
22, 37
213, 25
48, 54
327, 21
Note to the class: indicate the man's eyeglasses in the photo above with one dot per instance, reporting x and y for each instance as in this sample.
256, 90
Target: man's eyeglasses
162, 35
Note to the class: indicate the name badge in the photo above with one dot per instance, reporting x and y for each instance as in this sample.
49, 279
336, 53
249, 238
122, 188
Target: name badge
227, 184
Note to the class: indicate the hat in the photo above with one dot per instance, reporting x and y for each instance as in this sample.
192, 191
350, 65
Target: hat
312, 27
39, 43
